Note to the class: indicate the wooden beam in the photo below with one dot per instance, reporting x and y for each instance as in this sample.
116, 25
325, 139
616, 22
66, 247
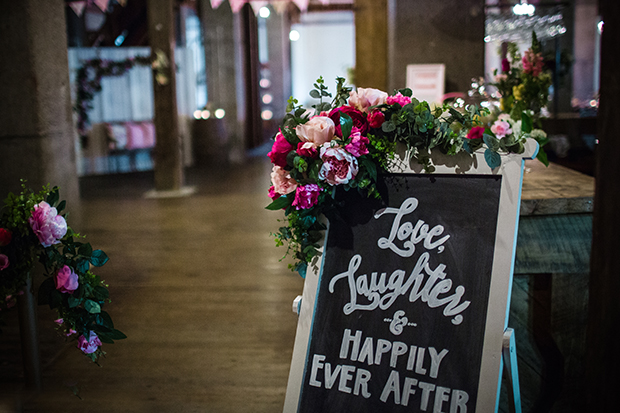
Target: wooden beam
603, 334
168, 166
371, 44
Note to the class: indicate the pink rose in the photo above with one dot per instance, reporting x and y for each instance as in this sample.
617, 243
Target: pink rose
475, 133
363, 99
357, 147
5, 237
281, 147
4, 262
47, 224
399, 98
339, 166
359, 119
376, 119
89, 345
306, 196
501, 78
282, 181
532, 62
318, 130
66, 280
273, 194
307, 149
501, 128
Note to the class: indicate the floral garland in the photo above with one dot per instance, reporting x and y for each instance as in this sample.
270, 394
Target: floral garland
89, 77
348, 142
33, 229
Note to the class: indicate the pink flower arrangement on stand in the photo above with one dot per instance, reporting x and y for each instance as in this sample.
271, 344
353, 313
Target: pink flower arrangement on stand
343, 144
33, 229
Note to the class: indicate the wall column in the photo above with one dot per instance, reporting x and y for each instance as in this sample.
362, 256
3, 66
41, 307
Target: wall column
371, 44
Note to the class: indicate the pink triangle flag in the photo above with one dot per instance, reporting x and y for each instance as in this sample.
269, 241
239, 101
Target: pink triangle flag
102, 4
256, 5
236, 5
216, 3
78, 7
279, 6
302, 4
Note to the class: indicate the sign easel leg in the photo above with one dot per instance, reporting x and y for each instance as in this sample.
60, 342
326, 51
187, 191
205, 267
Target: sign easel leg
511, 370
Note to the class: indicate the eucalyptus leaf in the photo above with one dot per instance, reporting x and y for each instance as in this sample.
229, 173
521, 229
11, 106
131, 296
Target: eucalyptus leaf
98, 258
315, 94
73, 301
493, 159
388, 126
92, 307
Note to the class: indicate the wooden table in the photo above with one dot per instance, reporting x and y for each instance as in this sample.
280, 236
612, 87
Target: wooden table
549, 300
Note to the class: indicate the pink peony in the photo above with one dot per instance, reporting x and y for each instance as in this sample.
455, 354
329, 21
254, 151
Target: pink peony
501, 78
318, 130
532, 62
501, 128
363, 99
66, 280
89, 345
4, 262
357, 147
358, 118
47, 224
398, 98
376, 119
282, 181
306, 196
307, 149
339, 166
5, 237
475, 133
281, 147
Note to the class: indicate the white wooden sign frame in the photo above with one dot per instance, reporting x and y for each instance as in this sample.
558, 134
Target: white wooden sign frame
420, 76
511, 171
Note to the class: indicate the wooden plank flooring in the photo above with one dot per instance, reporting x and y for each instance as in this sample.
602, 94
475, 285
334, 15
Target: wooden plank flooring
198, 289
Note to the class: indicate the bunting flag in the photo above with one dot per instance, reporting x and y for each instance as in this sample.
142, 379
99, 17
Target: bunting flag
122, 2
78, 7
256, 5
102, 4
302, 4
216, 3
236, 5
279, 6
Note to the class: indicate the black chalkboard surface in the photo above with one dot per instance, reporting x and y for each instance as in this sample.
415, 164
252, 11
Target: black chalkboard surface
402, 298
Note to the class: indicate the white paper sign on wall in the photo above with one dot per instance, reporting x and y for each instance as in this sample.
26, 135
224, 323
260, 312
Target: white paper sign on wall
427, 81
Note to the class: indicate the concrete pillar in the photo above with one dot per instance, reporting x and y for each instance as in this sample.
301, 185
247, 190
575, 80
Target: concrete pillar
168, 167
36, 132
431, 31
371, 44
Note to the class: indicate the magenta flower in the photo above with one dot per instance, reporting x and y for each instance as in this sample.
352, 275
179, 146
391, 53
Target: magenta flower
501, 128
398, 98
5, 237
376, 119
273, 194
339, 166
66, 280
281, 147
307, 149
89, 345
475, 133
4, 262
358, 118
357, 147
48, 226
505, 65
307, 196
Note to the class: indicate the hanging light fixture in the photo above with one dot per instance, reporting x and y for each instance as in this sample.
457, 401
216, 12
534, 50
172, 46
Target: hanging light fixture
524, 9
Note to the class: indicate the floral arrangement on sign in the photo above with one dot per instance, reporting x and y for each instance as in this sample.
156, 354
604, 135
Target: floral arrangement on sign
33, 228
347, 141
524, 87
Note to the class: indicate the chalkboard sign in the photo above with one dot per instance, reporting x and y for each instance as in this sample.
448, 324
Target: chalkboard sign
406, 309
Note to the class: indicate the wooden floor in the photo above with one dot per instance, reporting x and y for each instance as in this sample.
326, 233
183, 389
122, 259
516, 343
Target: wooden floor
198, 288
